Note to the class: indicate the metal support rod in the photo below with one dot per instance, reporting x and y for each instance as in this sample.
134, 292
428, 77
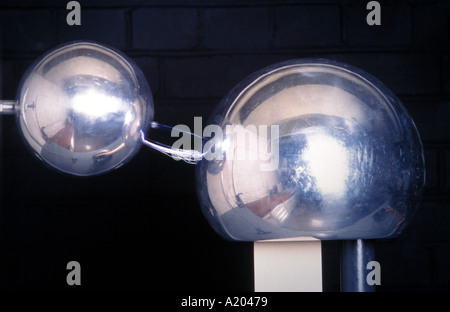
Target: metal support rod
355, 254
8, 107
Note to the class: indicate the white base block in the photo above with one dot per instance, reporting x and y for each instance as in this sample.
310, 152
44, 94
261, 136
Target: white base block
288, 265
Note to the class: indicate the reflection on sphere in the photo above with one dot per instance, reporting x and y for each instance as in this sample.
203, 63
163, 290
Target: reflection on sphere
349, 160
82, 106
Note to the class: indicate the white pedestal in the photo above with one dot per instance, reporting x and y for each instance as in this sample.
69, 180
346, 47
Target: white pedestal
288, 265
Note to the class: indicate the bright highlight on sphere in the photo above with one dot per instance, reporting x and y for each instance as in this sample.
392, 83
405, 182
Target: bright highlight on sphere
346, 159
327, 161
82, 107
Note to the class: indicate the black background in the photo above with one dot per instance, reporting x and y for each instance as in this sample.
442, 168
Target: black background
141, 227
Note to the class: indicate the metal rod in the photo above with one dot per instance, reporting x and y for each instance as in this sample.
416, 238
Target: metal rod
8, 107
189, 156
355, 255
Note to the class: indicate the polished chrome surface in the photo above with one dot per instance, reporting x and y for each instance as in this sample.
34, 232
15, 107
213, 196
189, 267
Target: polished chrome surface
8, 107
82, 107
349, 159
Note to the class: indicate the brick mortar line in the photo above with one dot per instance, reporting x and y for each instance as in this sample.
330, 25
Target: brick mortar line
258, 52
172, 4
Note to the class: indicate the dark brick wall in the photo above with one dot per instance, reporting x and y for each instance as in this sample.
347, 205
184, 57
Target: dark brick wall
130, 225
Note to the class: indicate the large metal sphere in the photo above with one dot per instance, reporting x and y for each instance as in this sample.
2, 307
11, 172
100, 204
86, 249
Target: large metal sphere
337, 156
82, 106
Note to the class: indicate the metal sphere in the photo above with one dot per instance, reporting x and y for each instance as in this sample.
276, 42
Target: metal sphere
336, 157
82, 107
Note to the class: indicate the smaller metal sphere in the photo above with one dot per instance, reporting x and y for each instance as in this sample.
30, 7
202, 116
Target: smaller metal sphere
82, 107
